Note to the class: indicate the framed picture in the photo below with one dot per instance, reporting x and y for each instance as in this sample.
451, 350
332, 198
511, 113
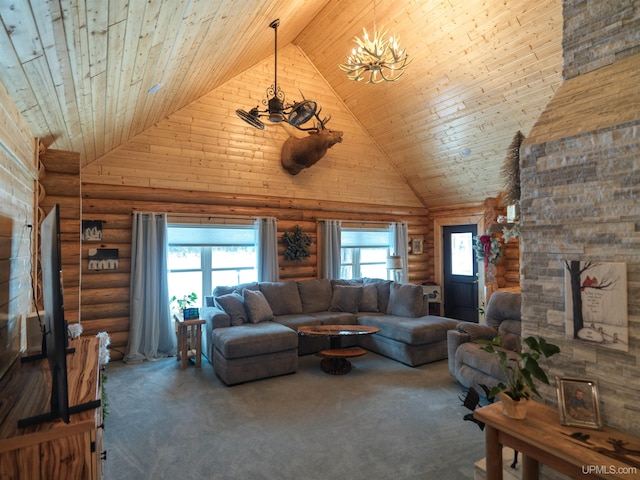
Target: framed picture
578, 403
416, 246
103, 259
91, 230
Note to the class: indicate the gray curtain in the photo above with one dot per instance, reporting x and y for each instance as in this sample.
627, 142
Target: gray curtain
151, 333
399, 245
330, 231
267, 249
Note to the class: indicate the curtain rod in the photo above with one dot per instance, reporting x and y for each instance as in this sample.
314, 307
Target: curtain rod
365, 223
202, 217
206, 219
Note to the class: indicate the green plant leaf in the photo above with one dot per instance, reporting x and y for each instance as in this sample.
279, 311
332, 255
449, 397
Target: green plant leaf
548, 349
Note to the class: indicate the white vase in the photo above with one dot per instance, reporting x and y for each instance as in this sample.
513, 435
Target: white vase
512, 408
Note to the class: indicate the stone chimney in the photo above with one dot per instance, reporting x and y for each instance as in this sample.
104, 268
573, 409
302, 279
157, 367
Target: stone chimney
580, 179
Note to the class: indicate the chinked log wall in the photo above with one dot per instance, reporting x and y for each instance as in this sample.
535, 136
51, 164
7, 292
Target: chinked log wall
105, 293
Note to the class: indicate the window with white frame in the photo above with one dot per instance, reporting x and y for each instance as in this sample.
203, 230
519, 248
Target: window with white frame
364, 252
203, 257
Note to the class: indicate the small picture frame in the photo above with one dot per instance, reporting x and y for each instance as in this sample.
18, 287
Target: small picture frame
190, 313
416, 246
578, 402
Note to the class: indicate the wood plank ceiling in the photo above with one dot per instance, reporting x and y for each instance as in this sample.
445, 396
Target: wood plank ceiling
79, 71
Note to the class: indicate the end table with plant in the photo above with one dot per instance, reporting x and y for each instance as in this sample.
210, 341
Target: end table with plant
186, 302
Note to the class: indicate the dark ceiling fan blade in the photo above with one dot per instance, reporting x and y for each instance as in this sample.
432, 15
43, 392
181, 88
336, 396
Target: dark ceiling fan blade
250, 119
302, 112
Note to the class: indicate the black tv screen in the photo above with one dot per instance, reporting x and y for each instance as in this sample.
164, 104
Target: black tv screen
55, 330
55, 341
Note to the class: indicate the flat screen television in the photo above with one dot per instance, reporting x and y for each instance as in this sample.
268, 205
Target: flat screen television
55, 339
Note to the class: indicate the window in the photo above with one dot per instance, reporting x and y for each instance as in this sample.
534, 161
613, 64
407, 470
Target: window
203, 257
462, 254
364, 253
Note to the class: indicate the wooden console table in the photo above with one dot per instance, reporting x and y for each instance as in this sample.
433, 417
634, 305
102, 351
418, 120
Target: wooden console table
53, 450
540, 438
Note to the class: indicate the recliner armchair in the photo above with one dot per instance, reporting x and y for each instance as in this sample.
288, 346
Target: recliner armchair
468, 363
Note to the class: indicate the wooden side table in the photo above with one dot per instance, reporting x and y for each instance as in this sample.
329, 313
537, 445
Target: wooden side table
183, 329
605, 453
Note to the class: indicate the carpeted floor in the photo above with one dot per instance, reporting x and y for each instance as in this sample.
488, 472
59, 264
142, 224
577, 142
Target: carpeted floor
383, 420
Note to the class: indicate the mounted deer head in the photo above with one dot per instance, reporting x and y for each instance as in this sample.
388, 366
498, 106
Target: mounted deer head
300, 153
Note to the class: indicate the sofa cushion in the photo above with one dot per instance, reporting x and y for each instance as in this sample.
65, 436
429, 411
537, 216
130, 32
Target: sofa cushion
233, 304
509, 331
335, 318
412, 331
369, 300
223, 290
405, 300
345, 298
503, 305
353, 282
477, 331
283, 297
472, 355
315, 295
384, 288
258, 309
250, 340
296, 320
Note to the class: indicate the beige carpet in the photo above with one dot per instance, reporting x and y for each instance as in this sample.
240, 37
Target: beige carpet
383, 420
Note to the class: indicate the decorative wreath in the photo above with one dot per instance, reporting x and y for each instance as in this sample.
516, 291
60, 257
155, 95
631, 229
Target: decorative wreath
298, 244
488, 249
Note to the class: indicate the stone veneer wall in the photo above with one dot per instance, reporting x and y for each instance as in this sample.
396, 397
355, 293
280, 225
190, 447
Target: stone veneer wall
597, 33
580, 174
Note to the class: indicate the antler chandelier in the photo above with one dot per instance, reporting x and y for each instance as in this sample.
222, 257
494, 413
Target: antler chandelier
277, 110
381, 59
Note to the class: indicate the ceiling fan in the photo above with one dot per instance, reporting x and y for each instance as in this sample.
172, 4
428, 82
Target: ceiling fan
277, 110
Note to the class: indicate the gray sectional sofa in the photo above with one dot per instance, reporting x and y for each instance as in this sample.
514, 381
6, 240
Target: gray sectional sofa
251, 329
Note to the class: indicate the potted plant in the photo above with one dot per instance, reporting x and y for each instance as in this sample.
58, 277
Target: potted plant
185, 304
519, 373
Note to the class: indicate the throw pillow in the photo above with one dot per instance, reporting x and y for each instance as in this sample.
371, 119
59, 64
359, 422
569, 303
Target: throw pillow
383, 287
315, 295
345, 299
233, 305
405, 300
369, 301
283, 297
224, 290
258, 309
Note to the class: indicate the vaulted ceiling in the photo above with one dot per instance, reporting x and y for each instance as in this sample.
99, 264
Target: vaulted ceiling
79, 71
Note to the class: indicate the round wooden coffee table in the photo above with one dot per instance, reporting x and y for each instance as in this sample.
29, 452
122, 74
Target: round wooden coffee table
335, 361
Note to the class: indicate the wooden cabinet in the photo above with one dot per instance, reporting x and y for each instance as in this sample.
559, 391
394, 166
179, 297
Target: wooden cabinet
53, 450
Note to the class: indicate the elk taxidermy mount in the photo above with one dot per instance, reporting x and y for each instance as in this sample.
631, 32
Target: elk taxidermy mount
300, 153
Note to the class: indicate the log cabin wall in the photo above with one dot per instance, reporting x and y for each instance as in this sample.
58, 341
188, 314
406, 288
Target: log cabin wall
204, 160
105, 293
18, 173
59, 183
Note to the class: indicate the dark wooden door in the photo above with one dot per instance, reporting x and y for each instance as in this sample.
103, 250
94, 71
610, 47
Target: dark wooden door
460, 283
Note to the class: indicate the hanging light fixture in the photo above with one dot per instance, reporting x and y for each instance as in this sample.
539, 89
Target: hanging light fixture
277, 110
381, 59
